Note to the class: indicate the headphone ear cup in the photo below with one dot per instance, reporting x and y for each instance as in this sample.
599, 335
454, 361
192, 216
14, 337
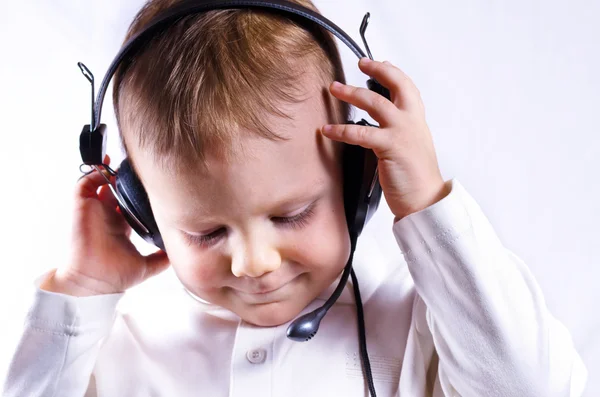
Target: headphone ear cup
353, 158
362, 191
134, 197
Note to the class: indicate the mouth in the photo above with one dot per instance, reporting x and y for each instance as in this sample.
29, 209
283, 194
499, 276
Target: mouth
268, 294
264, 291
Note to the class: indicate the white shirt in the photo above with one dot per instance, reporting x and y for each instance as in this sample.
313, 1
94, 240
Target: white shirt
459, 316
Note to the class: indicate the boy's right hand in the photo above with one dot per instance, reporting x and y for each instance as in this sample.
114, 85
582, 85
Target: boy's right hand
102, 259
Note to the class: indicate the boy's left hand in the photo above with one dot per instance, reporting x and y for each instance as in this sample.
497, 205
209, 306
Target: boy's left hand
409, 173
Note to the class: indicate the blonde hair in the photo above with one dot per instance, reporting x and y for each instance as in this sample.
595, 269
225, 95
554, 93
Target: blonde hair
208, 74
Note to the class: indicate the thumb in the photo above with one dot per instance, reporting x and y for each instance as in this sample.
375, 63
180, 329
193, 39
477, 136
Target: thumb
156, 263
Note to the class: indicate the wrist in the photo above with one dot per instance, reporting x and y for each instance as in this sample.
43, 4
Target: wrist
427, 200
64, 283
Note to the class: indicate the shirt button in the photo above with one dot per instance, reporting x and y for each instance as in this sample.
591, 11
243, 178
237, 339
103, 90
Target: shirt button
256, 356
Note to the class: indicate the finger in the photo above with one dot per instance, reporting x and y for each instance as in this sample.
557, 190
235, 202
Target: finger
110, 202
115, 218
402, 88
107, 197
87, 187
368, 137
378, 107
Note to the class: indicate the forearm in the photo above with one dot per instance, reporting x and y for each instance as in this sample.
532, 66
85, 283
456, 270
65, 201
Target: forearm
489, 322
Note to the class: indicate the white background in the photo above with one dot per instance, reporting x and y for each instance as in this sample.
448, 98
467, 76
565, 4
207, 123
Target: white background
512, 92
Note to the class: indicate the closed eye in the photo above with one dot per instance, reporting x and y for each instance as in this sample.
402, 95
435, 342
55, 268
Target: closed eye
295, 222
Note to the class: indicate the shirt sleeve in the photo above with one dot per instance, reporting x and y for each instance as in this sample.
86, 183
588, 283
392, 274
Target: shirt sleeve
492, 331
61, 336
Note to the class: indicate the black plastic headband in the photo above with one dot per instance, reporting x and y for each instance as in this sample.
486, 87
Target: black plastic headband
188, 7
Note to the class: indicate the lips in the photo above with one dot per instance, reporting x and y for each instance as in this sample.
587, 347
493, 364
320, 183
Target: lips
268, 289
262, 292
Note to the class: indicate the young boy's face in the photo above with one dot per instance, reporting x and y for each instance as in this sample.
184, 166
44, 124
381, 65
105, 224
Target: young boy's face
265, 234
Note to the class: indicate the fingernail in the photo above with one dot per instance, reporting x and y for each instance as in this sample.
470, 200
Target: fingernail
327, 128
337, 84
366, 60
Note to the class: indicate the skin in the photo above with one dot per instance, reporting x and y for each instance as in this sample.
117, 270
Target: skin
227, 228
245, 204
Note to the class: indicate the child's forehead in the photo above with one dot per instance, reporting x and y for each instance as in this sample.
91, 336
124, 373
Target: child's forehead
302, 152
261, 158
266, 176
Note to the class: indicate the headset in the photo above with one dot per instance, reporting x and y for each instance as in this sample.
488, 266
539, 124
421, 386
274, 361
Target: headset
362, 191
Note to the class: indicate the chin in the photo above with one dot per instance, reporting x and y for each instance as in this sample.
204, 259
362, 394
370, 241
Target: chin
271, 314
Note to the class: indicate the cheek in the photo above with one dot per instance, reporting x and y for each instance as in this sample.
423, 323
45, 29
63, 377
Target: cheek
325, 244
196, 269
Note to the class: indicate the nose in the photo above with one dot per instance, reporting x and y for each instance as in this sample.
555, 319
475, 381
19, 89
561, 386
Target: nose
255, 256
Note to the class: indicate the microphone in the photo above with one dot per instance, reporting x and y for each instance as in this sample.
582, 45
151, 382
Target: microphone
305, 327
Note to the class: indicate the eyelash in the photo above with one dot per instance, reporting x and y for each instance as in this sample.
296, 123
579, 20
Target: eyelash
295, 222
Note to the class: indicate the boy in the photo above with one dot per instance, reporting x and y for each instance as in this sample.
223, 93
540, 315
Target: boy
244, 177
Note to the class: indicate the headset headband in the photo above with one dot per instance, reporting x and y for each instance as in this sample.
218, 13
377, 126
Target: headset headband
187, 7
